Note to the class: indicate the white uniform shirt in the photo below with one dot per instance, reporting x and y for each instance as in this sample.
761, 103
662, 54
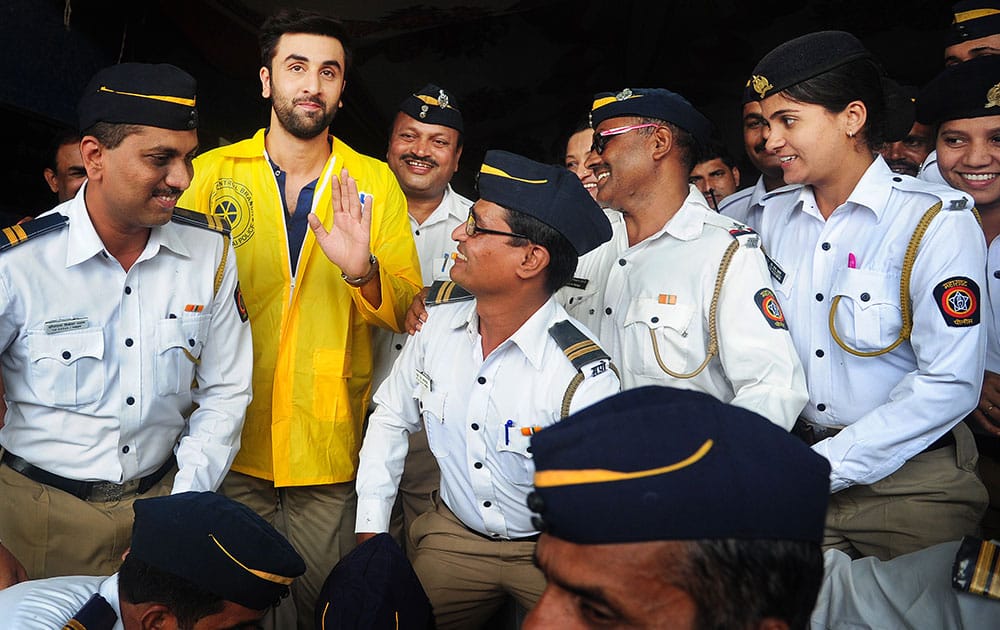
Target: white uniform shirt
992, 318
743, 205
895, 405
665, 284
95, 360
434, 248
49, 604
929, 171
474, 411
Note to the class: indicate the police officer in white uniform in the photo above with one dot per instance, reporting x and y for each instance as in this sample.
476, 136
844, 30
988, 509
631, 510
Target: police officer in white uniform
481, 377
680, 296
880, 277
138, 302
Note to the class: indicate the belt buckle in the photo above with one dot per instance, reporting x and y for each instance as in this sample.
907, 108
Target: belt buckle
107, 492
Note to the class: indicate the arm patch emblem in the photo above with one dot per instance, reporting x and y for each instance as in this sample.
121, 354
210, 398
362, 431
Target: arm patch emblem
958, 300
768, 304
241, 306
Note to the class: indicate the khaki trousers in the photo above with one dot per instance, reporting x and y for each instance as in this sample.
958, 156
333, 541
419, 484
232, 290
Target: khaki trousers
317, 520
421, 479
935, 497
467, 576
53, 533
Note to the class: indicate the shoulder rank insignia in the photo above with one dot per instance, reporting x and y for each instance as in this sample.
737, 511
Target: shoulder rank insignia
446, 292
977, 568
579, 348
212, 222
17, 234
96, 614
751, 240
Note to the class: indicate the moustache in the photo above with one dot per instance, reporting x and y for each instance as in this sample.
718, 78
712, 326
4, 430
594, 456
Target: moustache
902, 163
418, 158
315, 100
170, 191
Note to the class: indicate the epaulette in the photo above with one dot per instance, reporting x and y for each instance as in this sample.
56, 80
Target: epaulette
446, 292
201, 220
977, 568
17, 234
578, 347
950, 198
744, 234
96, 614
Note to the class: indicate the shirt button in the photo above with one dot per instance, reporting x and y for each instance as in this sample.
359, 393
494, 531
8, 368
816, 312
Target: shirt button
592, 310
66, 354
897, 179
475, 427
399, 346
171, 316
621, 261
477, 465
607, 311
481, 380
826, 247
821, 407
996, 274
129, 342
819, 297
417, 233
820, 353
487, 504
128, 290
654, 319
130, 401
865, 297
125, 449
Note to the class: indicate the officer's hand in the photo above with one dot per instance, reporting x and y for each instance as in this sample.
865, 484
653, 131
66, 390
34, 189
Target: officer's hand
11, 571
417, 315
987, 414
348, 242
363, 536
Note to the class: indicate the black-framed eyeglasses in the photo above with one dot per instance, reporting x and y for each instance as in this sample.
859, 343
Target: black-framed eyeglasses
471, 229
601, 138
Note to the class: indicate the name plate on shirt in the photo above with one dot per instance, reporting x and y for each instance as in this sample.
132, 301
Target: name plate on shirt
56, 326
424, 380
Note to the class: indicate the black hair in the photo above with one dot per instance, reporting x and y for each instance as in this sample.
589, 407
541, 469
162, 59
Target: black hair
859, 80
562, 255
61, 138
687, 147
715, 151
737, 583
300, 21
111, 134
140, 583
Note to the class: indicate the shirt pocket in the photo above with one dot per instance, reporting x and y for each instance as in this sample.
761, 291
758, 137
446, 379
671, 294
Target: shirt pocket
652, 329
432, 405
179, 342
868, 316
514, 454
66, 368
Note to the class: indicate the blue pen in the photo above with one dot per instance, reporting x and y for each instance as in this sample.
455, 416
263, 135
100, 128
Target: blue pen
445, 263
506, 432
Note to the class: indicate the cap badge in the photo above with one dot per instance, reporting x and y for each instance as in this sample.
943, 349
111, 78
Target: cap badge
993, 96
442, 100
423, 110
623, 95
760, 85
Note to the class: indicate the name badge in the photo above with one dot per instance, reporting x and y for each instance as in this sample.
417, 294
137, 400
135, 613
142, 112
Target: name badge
424, 380
64, 324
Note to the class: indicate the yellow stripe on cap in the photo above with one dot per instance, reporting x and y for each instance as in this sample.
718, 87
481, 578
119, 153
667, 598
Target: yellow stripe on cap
975, 14
270, 577
430, 100
177, 100
492, 170
607, 100
556, 478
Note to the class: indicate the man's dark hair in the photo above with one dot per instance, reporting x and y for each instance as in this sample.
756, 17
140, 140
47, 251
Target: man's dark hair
715, 151
688, 148
859, 80
299, 21
736, 583
562, 256
111, 134
61, 138
140, 583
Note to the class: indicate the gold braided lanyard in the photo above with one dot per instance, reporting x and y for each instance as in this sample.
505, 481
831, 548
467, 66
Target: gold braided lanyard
219, 271
906, 305
713, 316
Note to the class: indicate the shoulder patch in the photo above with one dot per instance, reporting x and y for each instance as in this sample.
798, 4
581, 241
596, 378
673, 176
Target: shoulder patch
212, 222
579, 348
977, 567
958, 300
446, 292
950, 198
96, 614
768, 304
17, 234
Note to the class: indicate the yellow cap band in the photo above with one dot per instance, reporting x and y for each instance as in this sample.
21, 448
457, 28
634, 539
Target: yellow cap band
975, 14
607, 100
270, 577
430, 100
189, 102
492, 170
555, 478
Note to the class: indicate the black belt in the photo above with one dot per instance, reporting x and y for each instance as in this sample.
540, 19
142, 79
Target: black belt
810, 434
499, 539
96, 491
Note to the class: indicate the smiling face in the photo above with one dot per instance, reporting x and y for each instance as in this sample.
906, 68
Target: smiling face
625, 164
611, 586
969, 158
486, 263
577, 152
423, 157
808, 140
754, 140
304, 82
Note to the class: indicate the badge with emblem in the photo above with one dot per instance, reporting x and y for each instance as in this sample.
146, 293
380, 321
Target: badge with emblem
993, 97
958, 300
442, 100
760, 85
423, 110
768, 304
623, 95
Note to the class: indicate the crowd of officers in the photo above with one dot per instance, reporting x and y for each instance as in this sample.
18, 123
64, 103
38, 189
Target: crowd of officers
349, 347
